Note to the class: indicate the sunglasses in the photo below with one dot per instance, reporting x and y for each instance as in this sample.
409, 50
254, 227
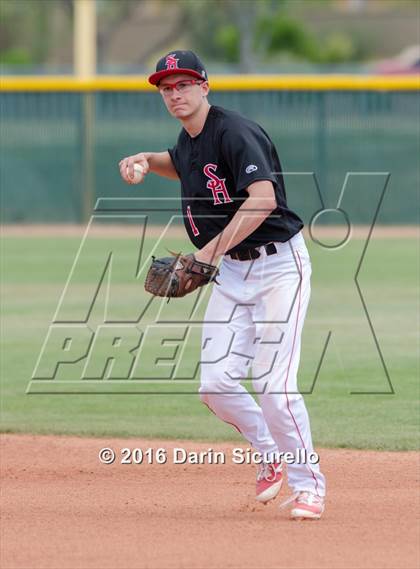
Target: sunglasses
182, 86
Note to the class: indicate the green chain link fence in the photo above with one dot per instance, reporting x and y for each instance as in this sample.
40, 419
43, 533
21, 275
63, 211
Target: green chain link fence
45, 154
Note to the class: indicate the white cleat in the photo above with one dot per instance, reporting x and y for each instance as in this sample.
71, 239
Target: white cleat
269, 481
307, 506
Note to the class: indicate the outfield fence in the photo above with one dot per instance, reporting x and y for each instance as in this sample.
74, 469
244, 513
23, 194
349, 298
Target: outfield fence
62, 138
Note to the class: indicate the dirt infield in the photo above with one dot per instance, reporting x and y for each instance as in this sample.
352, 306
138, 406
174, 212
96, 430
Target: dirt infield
62, 508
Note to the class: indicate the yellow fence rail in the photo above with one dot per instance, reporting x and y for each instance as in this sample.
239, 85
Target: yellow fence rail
218, 83
64, 135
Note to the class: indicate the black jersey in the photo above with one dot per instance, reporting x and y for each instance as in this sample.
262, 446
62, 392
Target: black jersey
217, 166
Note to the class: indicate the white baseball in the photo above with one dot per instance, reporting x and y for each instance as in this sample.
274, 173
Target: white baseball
138, 173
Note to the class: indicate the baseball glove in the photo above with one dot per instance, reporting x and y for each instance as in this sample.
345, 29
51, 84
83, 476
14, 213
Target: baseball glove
176, 277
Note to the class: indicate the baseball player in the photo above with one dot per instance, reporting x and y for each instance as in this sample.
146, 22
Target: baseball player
236, 215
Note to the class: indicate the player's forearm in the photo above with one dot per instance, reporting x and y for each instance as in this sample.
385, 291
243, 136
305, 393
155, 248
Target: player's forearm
160, 163
246, 220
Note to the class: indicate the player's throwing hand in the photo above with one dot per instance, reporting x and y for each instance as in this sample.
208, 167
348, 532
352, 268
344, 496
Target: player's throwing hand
133, 169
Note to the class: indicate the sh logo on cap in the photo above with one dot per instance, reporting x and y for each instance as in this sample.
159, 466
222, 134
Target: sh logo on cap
171, 61
178, 61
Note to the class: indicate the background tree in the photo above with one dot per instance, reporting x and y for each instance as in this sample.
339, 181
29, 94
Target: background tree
24, 31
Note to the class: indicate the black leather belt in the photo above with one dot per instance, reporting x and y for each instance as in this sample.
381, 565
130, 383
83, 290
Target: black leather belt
249, 254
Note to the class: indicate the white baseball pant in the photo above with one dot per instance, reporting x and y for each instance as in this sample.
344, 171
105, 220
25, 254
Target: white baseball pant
254, 319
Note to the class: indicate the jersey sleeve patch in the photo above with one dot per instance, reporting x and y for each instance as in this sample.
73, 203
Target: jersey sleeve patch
248, 153
251, 168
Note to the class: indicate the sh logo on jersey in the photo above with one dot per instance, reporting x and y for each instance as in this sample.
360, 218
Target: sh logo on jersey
216, 185
251, 168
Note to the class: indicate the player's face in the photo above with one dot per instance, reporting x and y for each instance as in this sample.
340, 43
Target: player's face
183, 94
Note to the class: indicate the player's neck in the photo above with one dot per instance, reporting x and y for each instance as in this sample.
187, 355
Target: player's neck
194, 124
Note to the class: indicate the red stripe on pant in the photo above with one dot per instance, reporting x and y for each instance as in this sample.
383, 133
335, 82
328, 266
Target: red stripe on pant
288, 369
228, 422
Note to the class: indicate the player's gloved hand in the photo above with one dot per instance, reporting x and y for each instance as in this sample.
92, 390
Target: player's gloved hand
126, 166
178, 275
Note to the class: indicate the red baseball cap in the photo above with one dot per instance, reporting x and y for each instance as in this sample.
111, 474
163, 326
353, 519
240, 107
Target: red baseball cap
178, 62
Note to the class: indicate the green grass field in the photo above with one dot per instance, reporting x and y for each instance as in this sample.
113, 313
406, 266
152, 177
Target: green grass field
35, 270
